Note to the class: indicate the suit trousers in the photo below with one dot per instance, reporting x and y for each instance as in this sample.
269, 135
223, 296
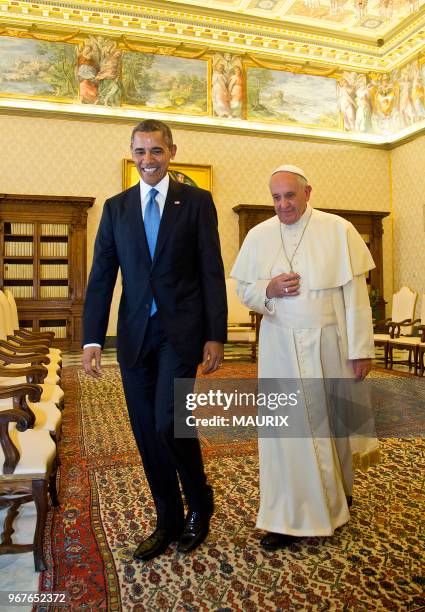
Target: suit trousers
149, 392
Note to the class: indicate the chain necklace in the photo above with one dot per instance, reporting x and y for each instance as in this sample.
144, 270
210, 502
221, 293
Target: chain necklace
290, 260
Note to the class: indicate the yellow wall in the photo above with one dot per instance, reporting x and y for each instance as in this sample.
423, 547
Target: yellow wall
408, 163
60, 156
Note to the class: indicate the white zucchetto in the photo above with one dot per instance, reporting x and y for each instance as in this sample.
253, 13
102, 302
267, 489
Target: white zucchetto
290, 168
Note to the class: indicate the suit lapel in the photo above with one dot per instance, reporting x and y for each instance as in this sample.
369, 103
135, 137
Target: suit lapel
136, 229
172, 208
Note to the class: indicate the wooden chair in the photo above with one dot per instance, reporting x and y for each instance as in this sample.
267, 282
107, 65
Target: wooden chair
402, 313
13, 375
409, 343
9, 347
24, 333
28, 470
8, 329
242, 325
43, 414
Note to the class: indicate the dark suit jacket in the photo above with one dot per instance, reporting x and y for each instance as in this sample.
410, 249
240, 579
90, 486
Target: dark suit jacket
186, 275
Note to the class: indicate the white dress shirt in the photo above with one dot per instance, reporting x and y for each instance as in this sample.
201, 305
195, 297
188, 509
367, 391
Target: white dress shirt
162, 188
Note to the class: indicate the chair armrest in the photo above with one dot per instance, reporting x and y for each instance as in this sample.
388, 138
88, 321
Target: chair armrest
395, 327
33, 334
21, 391
23, 350
34, 374
27, 342
21, 414
33, 358
11, 453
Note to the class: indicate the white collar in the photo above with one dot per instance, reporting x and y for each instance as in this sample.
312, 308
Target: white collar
302, 221
161, 187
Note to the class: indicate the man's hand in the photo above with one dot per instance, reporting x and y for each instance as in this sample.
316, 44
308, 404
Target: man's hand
213, 356
284, 285
361, 368
90, 353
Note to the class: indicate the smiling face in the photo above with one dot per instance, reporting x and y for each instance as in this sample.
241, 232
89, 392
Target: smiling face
290, 193
152, 156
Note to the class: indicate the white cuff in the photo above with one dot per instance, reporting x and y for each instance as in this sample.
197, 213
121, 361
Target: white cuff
269, 303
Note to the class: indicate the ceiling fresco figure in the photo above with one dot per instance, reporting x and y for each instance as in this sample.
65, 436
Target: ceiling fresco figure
219, 91
418, 91
109, 75
88, 67
236, 91
227, 85
99, 72
346, 101
407, 111
363, 105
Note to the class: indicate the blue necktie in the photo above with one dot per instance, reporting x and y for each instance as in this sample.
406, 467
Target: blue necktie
152, 220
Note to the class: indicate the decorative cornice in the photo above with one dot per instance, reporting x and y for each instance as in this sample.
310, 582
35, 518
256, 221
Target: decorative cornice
172, 26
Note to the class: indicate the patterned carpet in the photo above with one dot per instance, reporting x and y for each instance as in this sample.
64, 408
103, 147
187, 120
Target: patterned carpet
373, 563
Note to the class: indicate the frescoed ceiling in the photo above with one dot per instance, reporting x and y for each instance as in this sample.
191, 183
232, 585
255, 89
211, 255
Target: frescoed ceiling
360, 35
371, 19
371, 51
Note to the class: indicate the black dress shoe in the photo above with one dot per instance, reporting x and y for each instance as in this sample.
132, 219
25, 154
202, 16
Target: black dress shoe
195, 531
155, 544
275, 541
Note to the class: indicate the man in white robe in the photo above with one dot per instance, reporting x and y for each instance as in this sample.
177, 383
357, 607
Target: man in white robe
304, 271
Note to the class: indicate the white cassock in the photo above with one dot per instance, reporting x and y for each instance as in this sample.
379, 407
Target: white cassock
304, 481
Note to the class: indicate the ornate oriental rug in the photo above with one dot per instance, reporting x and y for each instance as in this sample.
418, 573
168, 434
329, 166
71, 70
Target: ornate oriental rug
373, 562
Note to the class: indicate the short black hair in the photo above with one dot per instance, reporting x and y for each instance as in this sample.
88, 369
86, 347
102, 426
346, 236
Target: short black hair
153, 125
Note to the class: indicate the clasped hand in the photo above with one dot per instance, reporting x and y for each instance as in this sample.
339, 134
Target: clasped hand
284, 285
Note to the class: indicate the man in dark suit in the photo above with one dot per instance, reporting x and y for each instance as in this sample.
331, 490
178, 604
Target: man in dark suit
163, 236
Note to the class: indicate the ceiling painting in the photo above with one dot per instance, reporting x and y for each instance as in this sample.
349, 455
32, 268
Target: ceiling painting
372, 18
282, 66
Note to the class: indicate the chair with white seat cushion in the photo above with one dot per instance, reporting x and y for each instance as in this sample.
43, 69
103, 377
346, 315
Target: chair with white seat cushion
402, 313
409, 343
7, 332
242, 323
24, 333
21, 361
27, 473
44, 414
8, 347
50, 393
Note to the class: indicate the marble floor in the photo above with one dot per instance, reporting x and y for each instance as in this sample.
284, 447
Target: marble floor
17, 571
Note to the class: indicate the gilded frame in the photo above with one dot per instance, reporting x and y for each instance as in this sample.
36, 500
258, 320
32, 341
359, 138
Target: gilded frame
200, 174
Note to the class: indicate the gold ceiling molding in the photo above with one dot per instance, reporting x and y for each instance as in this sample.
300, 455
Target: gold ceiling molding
176, 50
33, 33
303, 69
177, 27
284, 51
140, 48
